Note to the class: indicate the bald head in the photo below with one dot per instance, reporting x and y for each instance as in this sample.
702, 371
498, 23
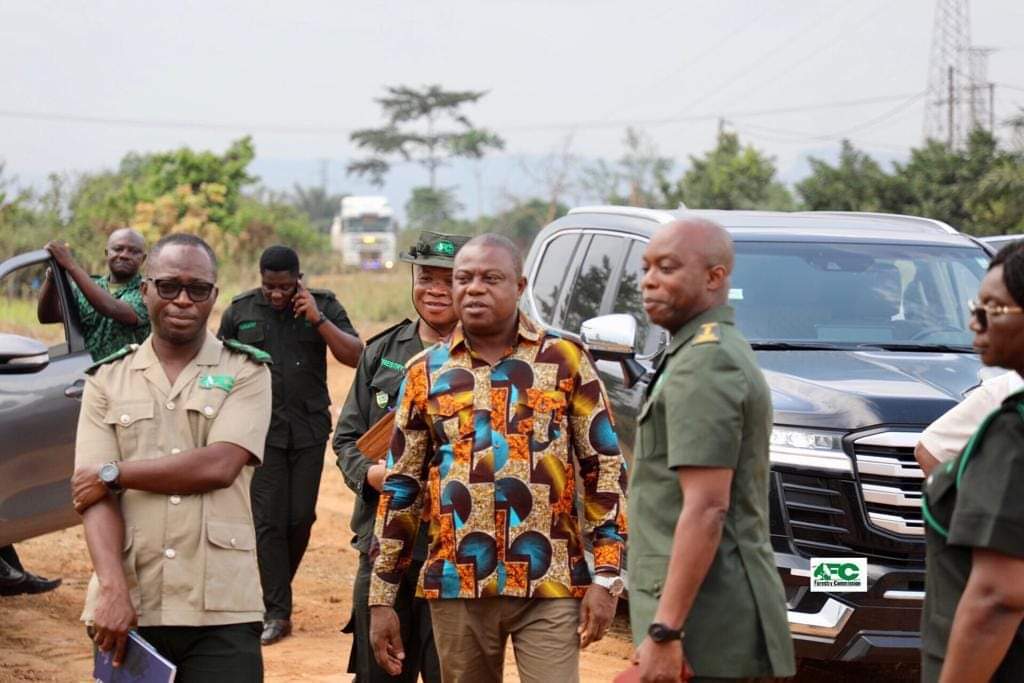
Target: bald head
126, 251
704, 238
688, 266
496, 241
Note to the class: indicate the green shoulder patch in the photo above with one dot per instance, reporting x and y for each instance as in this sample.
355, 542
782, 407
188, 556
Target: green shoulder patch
223, 382
258, 355
707, 334
116, 355
392, 365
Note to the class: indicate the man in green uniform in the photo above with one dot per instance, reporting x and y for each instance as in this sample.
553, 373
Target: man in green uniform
110, 307
296, 326
703, 585
168, 436
373, 394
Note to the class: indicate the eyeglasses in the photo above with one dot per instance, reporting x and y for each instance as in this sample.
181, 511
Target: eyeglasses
982, 313
170, 289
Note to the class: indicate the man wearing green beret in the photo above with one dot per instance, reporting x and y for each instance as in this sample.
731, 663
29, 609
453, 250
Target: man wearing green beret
373, 395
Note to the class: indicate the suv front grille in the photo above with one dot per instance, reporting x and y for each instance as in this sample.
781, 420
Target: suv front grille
890, 481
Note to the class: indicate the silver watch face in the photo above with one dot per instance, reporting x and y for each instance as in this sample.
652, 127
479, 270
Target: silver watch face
109, 473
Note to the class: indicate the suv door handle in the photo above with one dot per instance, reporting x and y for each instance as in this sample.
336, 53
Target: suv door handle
75, 390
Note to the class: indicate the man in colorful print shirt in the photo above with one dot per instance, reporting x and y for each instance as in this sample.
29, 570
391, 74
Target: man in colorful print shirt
493, 428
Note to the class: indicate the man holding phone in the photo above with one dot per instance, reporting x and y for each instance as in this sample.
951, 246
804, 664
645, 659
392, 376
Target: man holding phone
296, 326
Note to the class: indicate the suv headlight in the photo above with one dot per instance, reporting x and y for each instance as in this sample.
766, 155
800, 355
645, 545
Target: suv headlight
808, 448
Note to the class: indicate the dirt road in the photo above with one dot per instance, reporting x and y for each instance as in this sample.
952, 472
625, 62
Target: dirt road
42, 639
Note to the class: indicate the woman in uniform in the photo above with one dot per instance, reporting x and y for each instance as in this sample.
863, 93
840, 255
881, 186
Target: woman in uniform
974, 512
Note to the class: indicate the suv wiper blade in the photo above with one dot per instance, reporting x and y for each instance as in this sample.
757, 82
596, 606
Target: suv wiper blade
791, 346
936, 348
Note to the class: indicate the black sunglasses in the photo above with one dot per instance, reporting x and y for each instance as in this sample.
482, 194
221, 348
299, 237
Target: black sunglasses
982, 313
170, 289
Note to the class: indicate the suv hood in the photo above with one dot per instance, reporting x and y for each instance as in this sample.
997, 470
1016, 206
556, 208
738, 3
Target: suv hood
856, 389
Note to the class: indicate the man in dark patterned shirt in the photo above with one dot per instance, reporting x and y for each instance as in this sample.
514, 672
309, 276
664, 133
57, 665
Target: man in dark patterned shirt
110, 307
493, 428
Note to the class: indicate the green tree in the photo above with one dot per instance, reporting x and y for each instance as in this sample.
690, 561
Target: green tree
729, 177
633, 179
320, 205
855, 183
415, 130
432, 209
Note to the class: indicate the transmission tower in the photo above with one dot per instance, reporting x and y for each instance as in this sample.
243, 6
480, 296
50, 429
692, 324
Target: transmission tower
948, 116
982, 90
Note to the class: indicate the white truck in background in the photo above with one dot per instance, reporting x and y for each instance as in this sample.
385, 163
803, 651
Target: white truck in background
365, 233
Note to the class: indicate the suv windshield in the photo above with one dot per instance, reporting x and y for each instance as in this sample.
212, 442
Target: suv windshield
855, 295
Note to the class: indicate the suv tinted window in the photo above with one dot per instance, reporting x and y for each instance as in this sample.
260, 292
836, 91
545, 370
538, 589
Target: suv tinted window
629, 299
547, 285
594, 276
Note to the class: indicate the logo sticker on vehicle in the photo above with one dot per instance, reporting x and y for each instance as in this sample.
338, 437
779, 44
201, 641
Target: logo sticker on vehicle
839, 574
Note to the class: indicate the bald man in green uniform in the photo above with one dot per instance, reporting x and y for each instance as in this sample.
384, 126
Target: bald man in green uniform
704, 590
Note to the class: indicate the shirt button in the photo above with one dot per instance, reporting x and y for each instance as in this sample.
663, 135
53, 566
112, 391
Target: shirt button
233, 542
170, 405
125, 419
298, 363
208, 410
175, 451
169, 553
175, 500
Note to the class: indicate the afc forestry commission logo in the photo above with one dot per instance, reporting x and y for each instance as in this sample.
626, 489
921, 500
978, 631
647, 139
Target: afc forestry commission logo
839, 574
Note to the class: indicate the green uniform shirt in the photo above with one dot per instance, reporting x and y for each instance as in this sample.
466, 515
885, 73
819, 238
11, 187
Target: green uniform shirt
300, 417
374, 393
103, 335
709, 406
986, 510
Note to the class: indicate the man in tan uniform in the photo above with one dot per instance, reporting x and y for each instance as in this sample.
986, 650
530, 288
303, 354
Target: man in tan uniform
167, 435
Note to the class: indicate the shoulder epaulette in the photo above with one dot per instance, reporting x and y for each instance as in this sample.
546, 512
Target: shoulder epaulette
390, 330
709, 333
244, 295
116, 355
258, 355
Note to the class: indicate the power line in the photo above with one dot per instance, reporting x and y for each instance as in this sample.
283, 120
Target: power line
294, 129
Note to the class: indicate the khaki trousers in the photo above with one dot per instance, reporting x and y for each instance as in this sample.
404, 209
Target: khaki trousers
470, 636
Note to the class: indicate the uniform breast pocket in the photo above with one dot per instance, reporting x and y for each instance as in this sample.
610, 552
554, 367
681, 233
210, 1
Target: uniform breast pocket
650, 432
135, 427
231, 578
251, 332
384, 387
203, 408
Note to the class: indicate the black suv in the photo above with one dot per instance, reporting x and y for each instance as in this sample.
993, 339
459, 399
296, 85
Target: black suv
860, 324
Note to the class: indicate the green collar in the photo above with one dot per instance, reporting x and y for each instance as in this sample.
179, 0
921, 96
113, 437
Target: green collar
719, 314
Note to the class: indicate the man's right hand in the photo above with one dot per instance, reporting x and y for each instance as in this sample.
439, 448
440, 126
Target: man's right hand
61, 253
386, 639
113, 618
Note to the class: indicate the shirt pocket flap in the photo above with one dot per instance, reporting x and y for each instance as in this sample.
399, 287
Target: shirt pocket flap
127, 413
387, 380
231, 535
318, 404
251, 331
206, 402
645, 410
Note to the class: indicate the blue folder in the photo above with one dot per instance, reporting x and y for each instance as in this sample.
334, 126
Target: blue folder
142, 664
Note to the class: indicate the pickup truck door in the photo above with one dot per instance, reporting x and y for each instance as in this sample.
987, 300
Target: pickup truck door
38, 408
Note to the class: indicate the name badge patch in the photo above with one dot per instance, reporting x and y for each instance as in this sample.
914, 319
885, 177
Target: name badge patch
382, 399
223, 382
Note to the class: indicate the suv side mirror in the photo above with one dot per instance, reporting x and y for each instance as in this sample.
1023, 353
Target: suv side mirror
613, 338
20, 355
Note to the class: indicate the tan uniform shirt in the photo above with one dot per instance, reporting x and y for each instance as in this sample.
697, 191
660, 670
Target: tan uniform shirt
190, 560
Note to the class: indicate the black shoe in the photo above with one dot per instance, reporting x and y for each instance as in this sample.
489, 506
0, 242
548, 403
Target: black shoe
28, 585
11, 579
274, 630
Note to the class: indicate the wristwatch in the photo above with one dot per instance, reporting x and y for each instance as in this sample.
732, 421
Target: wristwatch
613, 584
110, 475
321, 321
660, 633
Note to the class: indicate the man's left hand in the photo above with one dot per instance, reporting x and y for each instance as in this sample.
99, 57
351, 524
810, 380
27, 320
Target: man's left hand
86, 488
304, 304
60, 252
597, 609
661, 662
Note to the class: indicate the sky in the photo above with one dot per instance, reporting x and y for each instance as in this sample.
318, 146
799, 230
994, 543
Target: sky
83, 83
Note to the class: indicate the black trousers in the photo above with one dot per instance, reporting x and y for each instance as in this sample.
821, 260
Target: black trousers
10, 556
210, 654
414, 620
284, 491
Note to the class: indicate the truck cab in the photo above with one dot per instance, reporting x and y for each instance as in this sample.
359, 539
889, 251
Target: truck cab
365, 233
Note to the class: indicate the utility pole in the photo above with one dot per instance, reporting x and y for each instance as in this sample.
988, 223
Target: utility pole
951, 126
